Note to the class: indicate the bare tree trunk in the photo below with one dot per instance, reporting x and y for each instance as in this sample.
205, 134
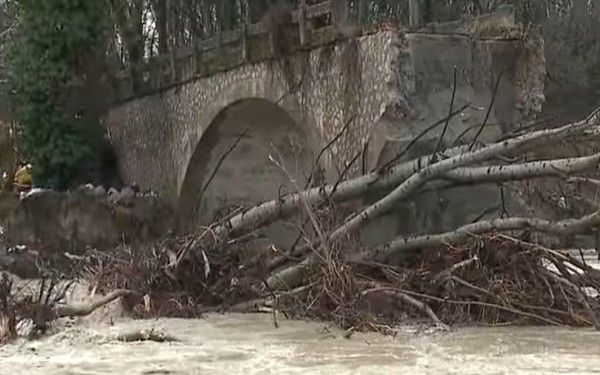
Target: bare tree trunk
290, 276
128, 18
414, 7
160, 10
385, 252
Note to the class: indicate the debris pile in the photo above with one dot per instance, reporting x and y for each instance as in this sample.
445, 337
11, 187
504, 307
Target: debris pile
494, 279
483, 272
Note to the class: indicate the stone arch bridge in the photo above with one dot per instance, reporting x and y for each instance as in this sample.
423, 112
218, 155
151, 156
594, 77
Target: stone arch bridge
372, 90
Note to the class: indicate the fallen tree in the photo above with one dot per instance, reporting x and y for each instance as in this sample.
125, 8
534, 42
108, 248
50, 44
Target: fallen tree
472, 273
485, 271
438, 170
404, 177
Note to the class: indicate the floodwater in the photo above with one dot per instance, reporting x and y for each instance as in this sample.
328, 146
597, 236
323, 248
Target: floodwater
250, 344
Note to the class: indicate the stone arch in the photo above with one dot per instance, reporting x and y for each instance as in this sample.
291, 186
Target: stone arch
205, 100
258, 128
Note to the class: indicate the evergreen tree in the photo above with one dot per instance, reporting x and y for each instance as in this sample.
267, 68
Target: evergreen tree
53, 41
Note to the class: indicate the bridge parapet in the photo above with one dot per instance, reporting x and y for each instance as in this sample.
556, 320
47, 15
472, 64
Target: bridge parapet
309, 27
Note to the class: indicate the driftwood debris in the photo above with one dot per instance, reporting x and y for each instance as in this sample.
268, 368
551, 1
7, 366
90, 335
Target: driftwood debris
42, 306
488, 271
59, 310
484, 271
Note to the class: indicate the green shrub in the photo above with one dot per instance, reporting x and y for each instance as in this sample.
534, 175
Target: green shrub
52, 39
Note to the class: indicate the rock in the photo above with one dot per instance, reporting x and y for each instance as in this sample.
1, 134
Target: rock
113, 195
32, 192
99, 191
127, 192
126, 197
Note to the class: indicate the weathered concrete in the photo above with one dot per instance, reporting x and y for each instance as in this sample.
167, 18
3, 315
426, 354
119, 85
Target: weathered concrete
387, 85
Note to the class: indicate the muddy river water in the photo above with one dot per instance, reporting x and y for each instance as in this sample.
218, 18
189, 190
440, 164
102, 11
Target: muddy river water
250, 344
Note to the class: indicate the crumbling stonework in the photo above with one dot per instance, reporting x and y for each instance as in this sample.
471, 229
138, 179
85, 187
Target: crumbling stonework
508, 57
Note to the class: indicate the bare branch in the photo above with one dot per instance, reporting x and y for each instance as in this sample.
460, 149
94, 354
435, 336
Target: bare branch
441, 138
421, 306
221, 160
536, 169
413, 141
440, 168
489, 110
61, 311
384, 252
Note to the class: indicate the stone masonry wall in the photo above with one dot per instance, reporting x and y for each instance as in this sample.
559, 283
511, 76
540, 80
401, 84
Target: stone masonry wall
384, 87
156, 136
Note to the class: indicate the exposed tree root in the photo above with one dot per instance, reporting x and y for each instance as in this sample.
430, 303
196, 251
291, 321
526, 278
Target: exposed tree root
62, 311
